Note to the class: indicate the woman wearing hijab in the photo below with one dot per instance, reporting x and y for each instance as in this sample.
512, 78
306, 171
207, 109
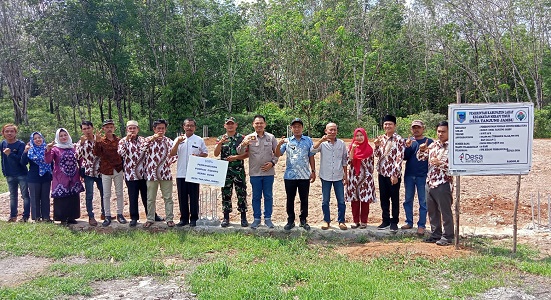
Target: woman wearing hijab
66, 185
39, 177
360, 190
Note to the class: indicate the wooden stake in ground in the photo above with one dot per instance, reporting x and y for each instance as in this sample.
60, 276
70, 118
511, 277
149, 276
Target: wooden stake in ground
515, 215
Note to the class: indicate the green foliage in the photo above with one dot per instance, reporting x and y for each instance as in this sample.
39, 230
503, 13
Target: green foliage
257, 268
542, 122
430, 119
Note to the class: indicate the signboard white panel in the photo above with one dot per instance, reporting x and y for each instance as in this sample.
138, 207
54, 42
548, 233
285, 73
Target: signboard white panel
206, 171
490, 139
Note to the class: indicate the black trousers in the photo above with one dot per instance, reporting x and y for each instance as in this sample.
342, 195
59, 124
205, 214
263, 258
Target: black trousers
291, 187
188, 200
135, 188
389, 192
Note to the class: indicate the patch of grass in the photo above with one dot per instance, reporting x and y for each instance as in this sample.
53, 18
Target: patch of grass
239, 266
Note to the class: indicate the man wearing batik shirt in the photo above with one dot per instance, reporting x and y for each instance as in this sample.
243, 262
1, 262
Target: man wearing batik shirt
389, 149
300, 171
226, 147
157, 161
134, 171
90, 169
110, 168
439, 196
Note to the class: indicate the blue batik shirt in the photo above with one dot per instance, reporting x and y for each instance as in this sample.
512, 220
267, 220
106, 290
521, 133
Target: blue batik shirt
298, 157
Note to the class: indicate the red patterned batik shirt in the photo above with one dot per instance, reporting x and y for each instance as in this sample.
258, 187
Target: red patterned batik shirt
157, 159
85, 154
132, 158
390, 154
438, 174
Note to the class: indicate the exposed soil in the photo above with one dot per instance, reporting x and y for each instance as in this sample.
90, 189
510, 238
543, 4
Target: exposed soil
487, 205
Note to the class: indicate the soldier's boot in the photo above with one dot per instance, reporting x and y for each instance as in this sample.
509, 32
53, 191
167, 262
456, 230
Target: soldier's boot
244, 222
226, 220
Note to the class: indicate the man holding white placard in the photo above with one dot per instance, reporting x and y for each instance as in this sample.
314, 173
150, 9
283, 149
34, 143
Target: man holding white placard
186, 145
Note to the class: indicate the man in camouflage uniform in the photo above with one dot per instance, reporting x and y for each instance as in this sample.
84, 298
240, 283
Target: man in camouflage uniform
226, 147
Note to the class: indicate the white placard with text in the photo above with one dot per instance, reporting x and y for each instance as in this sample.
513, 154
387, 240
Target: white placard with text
204, 170
490, 139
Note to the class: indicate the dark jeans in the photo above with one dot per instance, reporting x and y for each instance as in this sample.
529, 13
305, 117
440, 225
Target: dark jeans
388, 193
89, 186
188, 200
40, 200
15, 182
135, 188
291, 187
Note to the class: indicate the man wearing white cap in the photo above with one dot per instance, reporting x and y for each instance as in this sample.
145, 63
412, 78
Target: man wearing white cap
134, 171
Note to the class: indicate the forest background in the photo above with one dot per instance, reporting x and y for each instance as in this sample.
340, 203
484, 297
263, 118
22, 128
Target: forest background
348, 61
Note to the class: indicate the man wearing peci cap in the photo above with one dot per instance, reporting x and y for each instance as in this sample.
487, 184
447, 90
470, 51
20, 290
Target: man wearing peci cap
300, 171
226, 147
110, 168
134, 171
415, 176
389, 149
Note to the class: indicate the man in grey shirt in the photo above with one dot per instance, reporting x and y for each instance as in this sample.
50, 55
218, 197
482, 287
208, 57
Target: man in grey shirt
261, 147
333, 172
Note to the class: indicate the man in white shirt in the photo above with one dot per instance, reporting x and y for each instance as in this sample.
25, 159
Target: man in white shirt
333, 172
188, 192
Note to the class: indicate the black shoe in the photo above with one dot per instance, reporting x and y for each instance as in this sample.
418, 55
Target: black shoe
225, 222
121, 219
289, 226
106, 222
304, 225
133, 223
430, 239
394, 228
158, 219
181, 223
72, 221
383, 226
192, 223
244, 222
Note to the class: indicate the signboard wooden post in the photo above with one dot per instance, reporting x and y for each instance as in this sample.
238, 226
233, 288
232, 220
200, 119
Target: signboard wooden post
491, 139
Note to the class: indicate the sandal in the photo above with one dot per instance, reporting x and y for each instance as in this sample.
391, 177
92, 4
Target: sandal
147, 224
170, 224
355, 225
363, 226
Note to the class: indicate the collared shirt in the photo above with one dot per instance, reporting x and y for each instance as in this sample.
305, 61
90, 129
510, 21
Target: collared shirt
193, 145
438, 174
132, 159
229, 148
110, 159
90, 162
11, 164
334, 157
261, 151
391, 155
157, 159
298, 154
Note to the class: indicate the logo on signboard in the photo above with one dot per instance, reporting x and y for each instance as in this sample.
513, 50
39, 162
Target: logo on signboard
471, 158
521, 115
461, 116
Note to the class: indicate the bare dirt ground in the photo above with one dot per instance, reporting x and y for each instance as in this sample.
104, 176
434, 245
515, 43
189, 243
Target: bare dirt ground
487, 205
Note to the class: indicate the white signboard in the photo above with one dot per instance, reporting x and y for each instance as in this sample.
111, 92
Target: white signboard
490, 139
206, 171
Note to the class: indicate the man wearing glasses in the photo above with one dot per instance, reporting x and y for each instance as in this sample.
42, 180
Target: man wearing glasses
186, 145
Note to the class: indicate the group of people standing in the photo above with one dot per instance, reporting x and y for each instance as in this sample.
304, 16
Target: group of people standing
144, 163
